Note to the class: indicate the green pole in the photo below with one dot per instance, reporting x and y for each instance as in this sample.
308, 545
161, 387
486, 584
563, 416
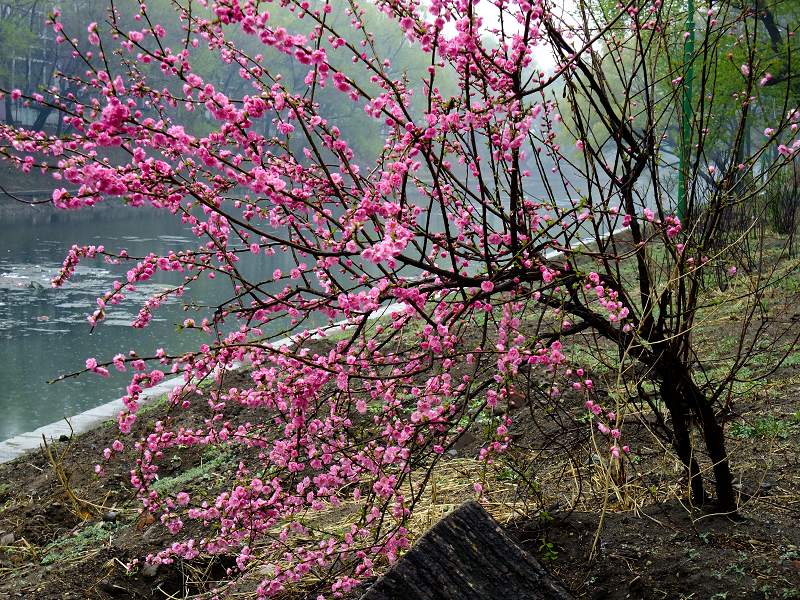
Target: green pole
686, 112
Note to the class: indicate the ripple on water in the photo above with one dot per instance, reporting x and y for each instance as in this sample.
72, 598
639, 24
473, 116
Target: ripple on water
33, 300
50, 330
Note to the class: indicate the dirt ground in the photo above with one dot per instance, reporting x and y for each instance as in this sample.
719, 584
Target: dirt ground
52, 548
668, 551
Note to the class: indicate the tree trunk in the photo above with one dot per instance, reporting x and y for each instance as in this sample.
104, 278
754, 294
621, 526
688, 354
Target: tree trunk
683, 397
466, 555
714, 437
9, 115
41, 119
681, 439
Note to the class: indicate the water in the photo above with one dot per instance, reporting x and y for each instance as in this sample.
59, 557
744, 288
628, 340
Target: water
44, 332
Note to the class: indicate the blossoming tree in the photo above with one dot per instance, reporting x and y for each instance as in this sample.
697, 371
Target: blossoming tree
455, 266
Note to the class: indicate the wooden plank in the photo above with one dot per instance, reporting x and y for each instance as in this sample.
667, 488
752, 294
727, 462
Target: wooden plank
467, 556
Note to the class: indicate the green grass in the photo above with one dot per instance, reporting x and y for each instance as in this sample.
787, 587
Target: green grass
767, 427
150, 407
792, 360
71, 548
214, 461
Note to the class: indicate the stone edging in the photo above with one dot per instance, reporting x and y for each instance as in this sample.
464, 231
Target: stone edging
80, 423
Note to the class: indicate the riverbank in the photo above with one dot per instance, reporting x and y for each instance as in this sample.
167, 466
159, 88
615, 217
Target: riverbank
33, 206
67, 533
31, 441
44, 333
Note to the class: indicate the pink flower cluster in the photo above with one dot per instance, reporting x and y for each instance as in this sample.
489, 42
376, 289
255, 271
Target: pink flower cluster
608, 298
71, 261
608, 426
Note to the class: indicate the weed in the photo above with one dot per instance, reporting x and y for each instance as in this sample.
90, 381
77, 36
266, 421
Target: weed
506, 473
151, 406
80, 508
764, 427
212, 462
791, 554
792, 360
547, 550
736, 569
73, 547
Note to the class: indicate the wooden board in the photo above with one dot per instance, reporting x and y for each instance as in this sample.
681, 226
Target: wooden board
466, 556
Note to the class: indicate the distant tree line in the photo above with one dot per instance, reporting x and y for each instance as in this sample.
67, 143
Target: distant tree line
32, 61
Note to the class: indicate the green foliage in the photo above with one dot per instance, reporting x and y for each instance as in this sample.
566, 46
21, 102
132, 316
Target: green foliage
792, 553
16, 36
15, 39
547, 550
718, 83
362, 133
